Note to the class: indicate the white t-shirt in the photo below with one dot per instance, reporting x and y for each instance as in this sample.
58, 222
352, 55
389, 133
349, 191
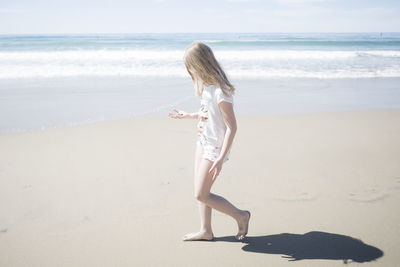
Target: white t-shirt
210, 116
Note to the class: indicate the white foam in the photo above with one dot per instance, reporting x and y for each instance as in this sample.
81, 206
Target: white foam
173, 55
342, 74
165, 63
98, 55
258, 55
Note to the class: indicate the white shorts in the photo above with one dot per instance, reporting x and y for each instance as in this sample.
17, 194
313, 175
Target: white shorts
210, 151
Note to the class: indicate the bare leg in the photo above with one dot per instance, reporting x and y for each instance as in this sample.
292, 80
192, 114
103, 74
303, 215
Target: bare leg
203, 183
205, 217
205, 211
205, 232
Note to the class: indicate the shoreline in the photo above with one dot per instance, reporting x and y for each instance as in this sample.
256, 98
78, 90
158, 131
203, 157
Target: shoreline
160, 117
29, 105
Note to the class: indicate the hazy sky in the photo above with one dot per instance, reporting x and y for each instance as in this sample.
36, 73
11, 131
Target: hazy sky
130, 16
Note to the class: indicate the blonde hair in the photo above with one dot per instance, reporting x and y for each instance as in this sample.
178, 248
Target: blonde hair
205, 69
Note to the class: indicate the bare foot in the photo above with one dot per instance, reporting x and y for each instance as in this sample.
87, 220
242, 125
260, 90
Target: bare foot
243, 225
198, 236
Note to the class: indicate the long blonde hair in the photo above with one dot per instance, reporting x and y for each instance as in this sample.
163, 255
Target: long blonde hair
205, 69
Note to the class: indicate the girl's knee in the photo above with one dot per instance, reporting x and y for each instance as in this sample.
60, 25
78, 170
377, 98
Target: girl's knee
200, 196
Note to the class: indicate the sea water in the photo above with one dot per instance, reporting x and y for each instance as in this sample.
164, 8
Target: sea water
242, 55
57, 80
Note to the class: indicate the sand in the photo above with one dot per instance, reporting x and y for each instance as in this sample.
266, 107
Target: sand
322, 188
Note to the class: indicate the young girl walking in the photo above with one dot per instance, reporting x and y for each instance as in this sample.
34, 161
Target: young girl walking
216, 131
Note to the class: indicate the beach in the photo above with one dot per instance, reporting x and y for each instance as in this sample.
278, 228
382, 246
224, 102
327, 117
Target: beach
120, 192
94, 173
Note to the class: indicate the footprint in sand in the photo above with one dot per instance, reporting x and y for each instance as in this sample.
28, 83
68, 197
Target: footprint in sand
369, 195
301, 196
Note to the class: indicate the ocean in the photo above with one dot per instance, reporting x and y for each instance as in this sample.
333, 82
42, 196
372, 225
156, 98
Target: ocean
50, 81
342, 55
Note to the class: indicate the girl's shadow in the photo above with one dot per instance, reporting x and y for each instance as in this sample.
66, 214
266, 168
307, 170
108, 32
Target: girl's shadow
312, 245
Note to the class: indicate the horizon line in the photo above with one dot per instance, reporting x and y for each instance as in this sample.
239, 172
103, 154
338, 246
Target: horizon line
115, 33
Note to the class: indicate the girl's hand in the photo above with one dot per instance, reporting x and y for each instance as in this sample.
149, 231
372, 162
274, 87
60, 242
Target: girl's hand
180, 114
216, 168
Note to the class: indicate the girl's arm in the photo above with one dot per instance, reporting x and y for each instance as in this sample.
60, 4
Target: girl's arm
230, 121
194, 115
180, 114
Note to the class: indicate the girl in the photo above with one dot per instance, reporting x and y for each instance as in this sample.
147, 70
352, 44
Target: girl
217, 128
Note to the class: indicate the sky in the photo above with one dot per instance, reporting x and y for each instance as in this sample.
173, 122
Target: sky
164, 16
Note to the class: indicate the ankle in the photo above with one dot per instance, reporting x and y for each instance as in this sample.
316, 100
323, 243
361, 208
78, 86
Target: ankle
240, 215
206, 230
